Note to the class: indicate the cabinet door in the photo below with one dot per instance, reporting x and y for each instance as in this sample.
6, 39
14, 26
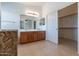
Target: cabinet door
30, 37
41, 35
35, 35
24, 37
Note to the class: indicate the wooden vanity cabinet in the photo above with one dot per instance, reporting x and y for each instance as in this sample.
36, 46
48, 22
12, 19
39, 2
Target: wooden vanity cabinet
26, 37
41, 35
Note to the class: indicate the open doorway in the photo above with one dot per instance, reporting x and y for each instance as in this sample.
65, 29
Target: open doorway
67, 24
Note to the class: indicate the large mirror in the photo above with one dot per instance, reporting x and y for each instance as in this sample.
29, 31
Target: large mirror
28, 22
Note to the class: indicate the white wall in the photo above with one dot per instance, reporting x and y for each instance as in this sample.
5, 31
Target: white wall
11, 14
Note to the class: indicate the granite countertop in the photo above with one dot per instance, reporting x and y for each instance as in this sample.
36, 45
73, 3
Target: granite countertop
22, 30
8, 29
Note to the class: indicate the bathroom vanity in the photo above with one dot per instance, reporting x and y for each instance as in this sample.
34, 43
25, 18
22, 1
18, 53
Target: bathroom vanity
31, 29
31, 36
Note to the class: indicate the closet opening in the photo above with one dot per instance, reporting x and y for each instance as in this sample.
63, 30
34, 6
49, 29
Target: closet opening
67, 24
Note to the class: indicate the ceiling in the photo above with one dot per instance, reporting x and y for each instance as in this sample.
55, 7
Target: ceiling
32, 3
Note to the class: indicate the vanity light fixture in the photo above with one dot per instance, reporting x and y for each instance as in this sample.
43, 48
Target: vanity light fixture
31, 13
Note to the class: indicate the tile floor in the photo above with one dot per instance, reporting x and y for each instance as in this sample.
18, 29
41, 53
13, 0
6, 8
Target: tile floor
47, 48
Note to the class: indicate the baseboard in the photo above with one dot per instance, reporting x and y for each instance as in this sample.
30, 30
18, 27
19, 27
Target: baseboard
52, 42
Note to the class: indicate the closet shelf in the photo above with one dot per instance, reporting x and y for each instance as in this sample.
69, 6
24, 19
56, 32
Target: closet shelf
67, 27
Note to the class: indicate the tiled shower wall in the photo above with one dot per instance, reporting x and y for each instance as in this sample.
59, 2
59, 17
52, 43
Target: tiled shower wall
8, 43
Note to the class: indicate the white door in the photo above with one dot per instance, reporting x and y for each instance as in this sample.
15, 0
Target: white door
52, 27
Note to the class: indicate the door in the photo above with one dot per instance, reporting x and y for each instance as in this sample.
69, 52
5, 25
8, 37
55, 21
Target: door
52, 27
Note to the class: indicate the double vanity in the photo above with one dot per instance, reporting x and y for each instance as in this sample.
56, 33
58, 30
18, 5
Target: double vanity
27, 36
31, 29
